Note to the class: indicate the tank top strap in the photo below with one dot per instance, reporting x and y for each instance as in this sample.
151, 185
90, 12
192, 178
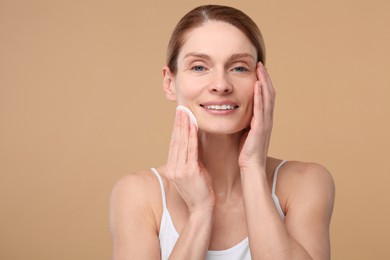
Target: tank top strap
164, 200
273, 192
276, 176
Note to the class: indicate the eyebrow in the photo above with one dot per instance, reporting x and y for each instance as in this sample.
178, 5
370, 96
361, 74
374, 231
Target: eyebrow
207, 57
242, 55
197, 54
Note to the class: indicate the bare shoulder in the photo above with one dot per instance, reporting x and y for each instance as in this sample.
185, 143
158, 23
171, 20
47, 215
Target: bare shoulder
306, 183
135, 185
306, 192
308, 174
134, 213
137, 190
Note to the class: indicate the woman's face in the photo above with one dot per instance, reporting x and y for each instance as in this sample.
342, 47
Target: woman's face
215, 78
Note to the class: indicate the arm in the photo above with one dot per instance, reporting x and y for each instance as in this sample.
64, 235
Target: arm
192, 182
305, 232
310, 208
194, 239
132, 222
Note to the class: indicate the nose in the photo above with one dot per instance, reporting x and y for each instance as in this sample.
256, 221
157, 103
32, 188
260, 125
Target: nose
220, 84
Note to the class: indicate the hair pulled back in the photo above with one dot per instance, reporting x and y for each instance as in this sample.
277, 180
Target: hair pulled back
202, 14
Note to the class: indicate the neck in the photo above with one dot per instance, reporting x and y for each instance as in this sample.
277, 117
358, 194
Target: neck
219, 155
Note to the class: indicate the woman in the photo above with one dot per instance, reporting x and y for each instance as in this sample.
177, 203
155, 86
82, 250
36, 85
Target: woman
220, 196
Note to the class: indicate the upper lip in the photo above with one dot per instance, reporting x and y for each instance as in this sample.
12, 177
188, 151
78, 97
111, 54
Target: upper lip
219, 103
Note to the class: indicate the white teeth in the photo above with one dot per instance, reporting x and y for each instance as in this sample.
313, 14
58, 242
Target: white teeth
220, 107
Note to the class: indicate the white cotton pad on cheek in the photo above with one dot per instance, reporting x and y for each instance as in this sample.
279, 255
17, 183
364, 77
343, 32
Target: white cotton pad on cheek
190, 114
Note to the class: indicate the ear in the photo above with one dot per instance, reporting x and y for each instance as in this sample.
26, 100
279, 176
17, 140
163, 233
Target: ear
169, 84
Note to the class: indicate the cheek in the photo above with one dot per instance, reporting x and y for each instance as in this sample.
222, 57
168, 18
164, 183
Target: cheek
246, 89
186, 90
246, 96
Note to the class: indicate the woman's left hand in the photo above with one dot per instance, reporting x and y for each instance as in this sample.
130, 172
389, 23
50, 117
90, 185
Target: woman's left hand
255, 141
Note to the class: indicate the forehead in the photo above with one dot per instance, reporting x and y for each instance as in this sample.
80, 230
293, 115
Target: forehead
217, 39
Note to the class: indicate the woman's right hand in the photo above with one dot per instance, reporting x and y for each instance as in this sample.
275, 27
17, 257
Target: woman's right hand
184, 170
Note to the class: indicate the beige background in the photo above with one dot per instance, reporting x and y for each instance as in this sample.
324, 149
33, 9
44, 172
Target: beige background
81, 105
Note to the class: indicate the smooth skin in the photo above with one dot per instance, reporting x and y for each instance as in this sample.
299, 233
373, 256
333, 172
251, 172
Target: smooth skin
218, 180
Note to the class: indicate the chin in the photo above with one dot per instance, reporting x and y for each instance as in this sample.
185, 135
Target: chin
222, 130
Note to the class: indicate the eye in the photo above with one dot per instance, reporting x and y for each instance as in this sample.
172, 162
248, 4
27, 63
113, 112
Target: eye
198, 68
240, 69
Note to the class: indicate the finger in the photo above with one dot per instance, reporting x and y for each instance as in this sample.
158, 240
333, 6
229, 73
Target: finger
258, 105
183, 142
268, 100
269, 83
174, 144
264, 76
257, 102
193, 146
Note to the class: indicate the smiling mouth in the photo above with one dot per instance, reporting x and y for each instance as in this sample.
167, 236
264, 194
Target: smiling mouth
219, 107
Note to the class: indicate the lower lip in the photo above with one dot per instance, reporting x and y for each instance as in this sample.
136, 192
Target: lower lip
220, 112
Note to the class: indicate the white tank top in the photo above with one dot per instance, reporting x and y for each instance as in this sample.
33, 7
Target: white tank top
168, 234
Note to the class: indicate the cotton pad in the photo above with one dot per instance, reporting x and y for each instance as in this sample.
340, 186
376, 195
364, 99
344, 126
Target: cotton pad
190, 114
